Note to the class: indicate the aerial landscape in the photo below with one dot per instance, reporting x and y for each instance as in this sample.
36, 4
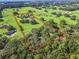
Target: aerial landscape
39, 29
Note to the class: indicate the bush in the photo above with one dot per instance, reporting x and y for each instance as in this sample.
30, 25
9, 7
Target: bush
33, 22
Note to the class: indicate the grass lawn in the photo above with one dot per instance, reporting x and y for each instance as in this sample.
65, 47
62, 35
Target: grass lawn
3, 30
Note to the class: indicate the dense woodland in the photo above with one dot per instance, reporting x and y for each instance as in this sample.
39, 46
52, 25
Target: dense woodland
61, 49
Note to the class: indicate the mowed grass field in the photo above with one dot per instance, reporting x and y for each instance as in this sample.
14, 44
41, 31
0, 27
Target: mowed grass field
9, 18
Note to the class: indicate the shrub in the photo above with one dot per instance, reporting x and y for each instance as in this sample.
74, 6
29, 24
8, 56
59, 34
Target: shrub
33, 22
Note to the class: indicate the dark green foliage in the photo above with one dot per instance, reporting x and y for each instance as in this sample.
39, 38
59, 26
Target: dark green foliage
1, 20
70, 8
24, 21
30, 11
42, 18
67, 15
1, 16
45, 11
0, 35
11, 28
53, 24
73, 17
54, 8
54, 13
3, 42
38, 8
15, 13
33, 22
58, 14
63, 22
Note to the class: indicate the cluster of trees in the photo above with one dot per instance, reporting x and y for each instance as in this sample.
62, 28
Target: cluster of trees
24, 21
45, 10
54, 8
70, 8
66, 15
3, 41
72, 17
38, 8
58, 14
53, 24
33, 22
